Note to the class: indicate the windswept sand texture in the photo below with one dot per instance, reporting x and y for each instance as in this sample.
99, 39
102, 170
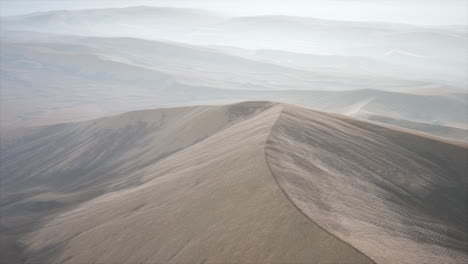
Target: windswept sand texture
254, 182
398, 197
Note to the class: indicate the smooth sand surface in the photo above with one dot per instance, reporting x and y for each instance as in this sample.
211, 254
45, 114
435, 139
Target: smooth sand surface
254, 182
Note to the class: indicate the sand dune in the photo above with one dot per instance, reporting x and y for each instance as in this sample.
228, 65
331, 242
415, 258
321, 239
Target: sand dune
416, 49
254, 182
199, 65
137, 21
354, 65
438, 130
397, 197
203, 27
64, 79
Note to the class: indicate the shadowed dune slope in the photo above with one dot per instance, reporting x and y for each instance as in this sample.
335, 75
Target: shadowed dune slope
46, 170
254, 182
57, 166
396, 196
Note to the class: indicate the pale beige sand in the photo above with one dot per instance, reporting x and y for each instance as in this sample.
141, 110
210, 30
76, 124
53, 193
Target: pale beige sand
214, 202
254, 182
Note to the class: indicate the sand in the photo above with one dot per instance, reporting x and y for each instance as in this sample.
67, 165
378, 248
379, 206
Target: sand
254, 182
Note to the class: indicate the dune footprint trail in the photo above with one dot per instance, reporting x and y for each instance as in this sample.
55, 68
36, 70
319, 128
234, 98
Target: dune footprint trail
253, 182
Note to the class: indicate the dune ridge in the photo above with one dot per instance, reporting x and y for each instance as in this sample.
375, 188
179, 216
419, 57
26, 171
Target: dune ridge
266, 183
265, 200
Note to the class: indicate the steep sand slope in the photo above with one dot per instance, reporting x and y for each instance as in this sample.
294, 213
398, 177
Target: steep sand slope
397, 197
46, 170
253, 182
214, 202
52, 167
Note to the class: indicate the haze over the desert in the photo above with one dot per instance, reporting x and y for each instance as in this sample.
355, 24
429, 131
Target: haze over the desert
419, 12
177, 131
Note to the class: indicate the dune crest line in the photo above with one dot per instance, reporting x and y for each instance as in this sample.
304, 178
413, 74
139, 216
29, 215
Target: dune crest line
286, 194
255, 182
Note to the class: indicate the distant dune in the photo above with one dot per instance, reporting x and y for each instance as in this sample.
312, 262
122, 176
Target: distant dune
438, 130
137, 21
424, 52
48, 79
253, 182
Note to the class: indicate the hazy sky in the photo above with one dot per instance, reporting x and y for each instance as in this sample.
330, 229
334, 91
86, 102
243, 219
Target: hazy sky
425, 12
